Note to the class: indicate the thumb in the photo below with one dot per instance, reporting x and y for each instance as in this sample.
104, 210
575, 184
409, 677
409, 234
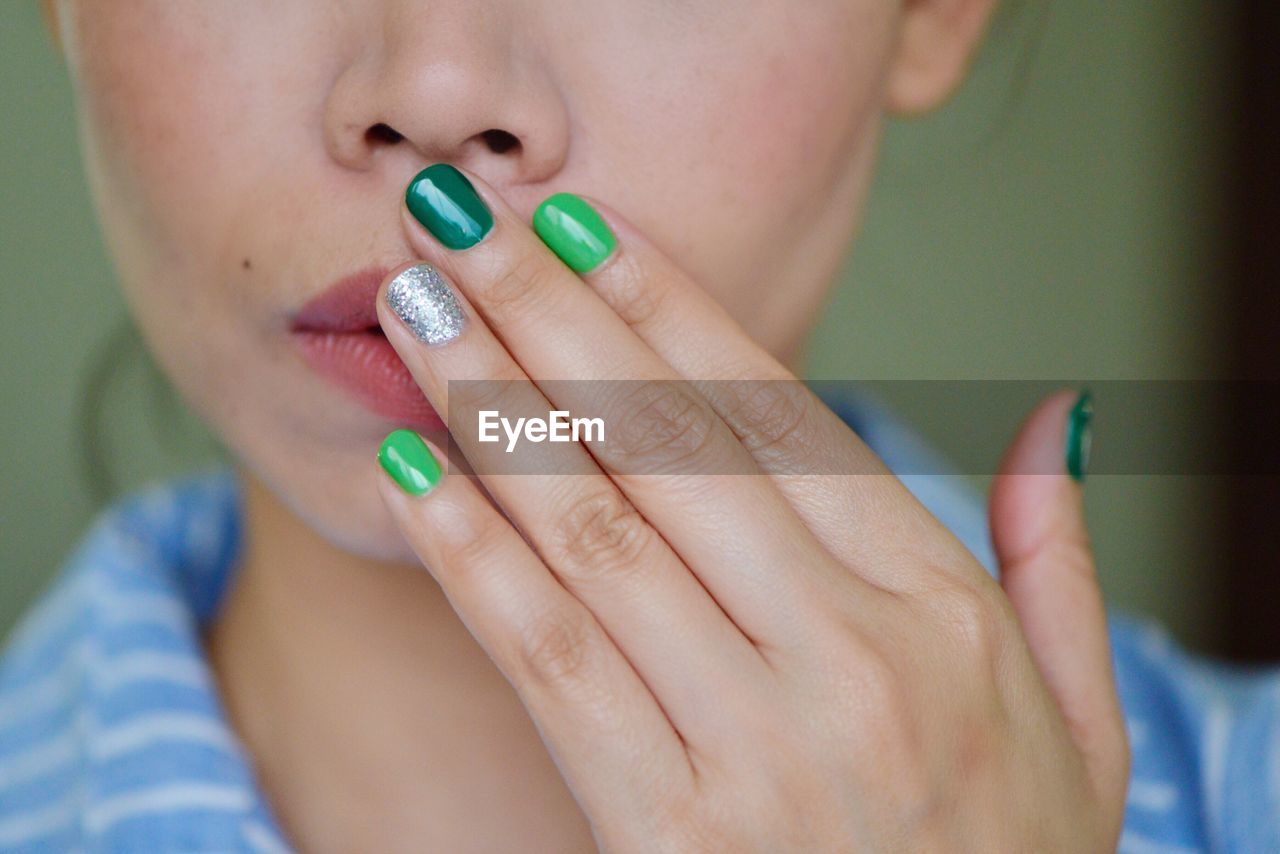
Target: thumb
1047, 571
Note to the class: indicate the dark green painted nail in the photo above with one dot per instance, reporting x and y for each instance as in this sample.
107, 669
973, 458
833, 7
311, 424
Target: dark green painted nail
406, 457
1080, 436
574, 231
447, 205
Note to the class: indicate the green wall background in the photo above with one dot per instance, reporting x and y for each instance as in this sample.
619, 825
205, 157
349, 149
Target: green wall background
1060, 227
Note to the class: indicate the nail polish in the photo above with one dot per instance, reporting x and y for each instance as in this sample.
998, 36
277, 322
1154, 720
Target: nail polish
573, 230
1080, 436
409, 461
448, 206
424, 301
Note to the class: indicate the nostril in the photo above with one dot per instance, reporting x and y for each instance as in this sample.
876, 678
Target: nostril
499, 141
383, 134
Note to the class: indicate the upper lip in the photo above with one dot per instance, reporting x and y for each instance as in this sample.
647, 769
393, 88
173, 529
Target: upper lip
348, 305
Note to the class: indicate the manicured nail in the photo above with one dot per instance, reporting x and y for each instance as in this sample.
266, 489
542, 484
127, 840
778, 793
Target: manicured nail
447, 205
574, 231
1080, 436
424, 301
406, 457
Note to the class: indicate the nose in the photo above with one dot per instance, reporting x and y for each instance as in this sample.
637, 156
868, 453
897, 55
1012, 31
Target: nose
449, 80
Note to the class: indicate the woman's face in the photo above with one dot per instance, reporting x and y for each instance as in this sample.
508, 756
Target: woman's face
245, 156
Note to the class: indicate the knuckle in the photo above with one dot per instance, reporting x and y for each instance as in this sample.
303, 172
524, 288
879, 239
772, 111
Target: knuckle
769, 417
468, 541
517, 284
973, 619
491, 393
635, 298
663, 425
560, 650
601, 536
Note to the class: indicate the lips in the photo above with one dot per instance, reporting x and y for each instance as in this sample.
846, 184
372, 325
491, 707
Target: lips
339, 336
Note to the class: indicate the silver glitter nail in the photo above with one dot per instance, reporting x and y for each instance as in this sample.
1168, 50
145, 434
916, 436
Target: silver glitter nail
425, 302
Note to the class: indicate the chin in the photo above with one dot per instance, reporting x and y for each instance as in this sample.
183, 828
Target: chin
342, 505
377, 538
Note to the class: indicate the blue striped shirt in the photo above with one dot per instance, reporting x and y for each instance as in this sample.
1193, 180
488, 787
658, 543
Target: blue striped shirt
113, 738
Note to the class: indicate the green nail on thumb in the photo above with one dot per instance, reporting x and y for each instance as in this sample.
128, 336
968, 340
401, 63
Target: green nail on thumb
1080, 436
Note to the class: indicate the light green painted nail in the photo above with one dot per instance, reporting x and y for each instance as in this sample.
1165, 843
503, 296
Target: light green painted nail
574, 231
406, 457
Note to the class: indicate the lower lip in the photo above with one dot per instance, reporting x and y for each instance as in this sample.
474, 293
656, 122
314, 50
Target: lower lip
366, 365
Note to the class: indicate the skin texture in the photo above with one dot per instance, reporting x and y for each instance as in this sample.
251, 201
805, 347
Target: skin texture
756, 166
231, 166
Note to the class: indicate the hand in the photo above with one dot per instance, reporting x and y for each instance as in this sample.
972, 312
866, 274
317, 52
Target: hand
777, 662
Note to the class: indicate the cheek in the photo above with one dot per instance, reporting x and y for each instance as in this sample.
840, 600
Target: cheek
782, 122
186, 157
154, 108
183, 141
194, 168
759, 149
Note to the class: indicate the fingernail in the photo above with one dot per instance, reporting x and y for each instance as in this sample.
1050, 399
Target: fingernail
424, 301
409, 461
1080, 436
447, 205
574, 231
